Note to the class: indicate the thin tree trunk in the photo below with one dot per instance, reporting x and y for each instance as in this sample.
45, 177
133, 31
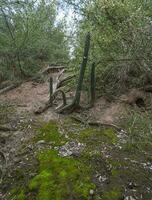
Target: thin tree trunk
92, 86
82, 70
76, 101
51, 91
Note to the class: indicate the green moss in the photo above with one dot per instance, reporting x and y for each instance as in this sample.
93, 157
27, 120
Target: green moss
21, 196
60, 178
91, 135
49, 133
114, 194
114, 172
17, 194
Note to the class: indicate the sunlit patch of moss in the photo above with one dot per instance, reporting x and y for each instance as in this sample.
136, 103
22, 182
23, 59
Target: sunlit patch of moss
60, 178
113, 194
49, 133
95, 136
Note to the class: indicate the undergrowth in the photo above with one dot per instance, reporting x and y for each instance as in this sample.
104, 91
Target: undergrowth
139, 131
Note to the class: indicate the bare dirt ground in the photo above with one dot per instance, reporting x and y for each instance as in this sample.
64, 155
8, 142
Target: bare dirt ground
17, 112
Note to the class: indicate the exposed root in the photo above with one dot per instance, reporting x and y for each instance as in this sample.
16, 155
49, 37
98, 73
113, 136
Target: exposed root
99, 124
69, 108
50, 103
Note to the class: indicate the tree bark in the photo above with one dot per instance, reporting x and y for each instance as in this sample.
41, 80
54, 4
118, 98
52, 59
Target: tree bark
92, 85
76, 101
51, 91
82, 70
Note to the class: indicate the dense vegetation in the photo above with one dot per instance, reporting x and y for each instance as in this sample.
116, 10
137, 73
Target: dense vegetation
30, 36
121, 41
101, 150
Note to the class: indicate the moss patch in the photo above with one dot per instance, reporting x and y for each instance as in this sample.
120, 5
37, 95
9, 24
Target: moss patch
17, 194
113, 194
49, 133
96, 137
60, 178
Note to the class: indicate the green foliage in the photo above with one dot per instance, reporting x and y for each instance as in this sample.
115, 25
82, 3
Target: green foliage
114, 194
139, 128
30, 36
120, 43
49, 132
21, 196
60, 178
104, 135
17, 194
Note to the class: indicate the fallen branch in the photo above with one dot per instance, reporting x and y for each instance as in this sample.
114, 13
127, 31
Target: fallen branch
51, 69
57, 80
5, 129
63, 82
9, 88
98, 124
63, 97
50, 103
42, 109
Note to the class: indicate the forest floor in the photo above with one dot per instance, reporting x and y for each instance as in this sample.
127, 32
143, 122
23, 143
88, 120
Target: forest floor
53, 157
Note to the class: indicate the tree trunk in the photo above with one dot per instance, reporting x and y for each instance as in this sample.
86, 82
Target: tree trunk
92, 86
51, 91
82, 70
76, 101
